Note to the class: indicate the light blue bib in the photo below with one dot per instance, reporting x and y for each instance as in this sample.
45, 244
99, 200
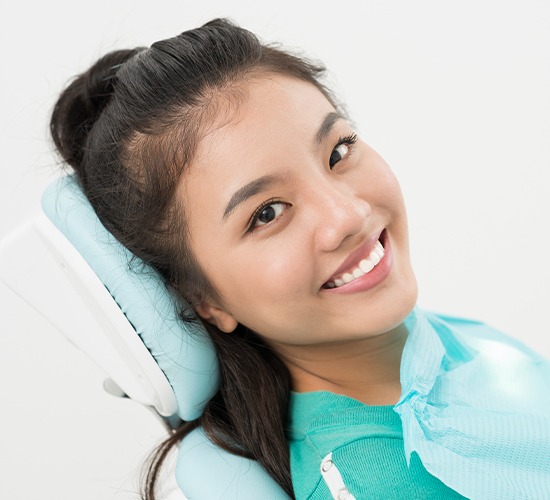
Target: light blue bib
475, 406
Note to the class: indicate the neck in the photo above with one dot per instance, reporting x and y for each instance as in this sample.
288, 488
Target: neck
367, 369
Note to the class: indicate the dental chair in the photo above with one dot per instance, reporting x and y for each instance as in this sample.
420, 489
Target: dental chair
118, 311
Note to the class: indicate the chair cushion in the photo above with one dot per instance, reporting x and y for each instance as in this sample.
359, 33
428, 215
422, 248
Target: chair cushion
183, 351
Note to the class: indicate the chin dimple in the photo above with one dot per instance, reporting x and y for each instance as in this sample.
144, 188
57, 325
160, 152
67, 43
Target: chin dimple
365, 266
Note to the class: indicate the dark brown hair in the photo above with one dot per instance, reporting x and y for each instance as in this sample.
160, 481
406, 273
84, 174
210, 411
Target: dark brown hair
129, 126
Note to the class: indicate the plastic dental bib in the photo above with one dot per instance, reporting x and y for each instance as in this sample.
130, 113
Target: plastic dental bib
476, 408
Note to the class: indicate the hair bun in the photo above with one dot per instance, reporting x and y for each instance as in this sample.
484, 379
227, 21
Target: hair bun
81, 104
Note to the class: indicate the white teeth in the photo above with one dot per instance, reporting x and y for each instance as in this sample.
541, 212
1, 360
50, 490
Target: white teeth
357, 273
374, 257
347, 278
364, 267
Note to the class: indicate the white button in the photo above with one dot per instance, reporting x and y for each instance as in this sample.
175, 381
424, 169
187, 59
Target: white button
326, 465
343, 494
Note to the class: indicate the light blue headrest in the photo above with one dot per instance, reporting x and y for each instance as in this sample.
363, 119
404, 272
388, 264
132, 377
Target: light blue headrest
183, 351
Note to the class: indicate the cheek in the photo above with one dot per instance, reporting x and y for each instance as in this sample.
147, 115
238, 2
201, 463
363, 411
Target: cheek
386, 189
276, 270
377, 181
265, 279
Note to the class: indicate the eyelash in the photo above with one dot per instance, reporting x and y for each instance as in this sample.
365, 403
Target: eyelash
348, 140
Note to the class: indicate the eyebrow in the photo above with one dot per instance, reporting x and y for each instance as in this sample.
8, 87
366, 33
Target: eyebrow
248, 190
261, 184
326, 126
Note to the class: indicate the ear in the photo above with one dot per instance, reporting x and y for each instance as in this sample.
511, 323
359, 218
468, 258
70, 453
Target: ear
217, 316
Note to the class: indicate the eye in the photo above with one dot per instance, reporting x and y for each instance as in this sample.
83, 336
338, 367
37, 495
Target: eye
337, 154
267, 213
342, 149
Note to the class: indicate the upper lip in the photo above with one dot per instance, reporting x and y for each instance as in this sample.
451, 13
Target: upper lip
353, 259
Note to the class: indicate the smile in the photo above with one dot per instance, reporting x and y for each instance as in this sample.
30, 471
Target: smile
365, 266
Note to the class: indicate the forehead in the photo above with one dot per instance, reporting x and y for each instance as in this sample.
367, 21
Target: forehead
261, 111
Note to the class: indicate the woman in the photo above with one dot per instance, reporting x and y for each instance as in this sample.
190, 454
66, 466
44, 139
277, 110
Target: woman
228, 166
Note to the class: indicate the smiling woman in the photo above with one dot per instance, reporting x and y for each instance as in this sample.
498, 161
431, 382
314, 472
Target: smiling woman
313, 206
238, 177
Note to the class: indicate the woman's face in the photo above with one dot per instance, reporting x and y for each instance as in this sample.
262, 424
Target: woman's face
287, 210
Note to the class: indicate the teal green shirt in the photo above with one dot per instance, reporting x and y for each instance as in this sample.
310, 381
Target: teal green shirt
367, 448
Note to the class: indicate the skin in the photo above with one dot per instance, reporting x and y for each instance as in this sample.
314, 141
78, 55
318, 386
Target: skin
271, 278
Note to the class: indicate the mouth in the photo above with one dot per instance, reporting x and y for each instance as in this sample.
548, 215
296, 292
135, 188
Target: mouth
363, 262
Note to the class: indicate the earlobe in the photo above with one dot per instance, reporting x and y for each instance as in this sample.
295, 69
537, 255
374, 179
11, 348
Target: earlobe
217, 316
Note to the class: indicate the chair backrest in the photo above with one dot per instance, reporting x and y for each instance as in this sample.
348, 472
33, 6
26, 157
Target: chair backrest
119, 312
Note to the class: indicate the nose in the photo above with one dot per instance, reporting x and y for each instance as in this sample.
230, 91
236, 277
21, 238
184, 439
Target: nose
341, 214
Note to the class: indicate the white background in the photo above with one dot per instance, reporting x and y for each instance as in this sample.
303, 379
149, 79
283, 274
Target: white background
455, 95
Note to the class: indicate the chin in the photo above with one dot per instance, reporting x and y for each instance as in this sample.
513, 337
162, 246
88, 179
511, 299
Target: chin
400, 303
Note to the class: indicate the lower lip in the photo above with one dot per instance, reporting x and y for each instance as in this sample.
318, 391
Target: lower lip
370, 280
